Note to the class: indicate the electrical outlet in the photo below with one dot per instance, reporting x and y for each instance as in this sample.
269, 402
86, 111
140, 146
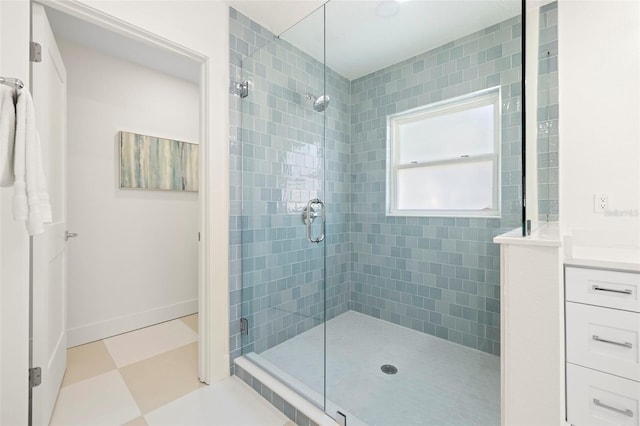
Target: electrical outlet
600, 203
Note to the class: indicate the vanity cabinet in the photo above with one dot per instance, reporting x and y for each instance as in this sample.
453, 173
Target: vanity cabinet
602, 354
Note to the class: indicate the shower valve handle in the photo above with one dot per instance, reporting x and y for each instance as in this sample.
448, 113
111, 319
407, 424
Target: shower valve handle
310, 214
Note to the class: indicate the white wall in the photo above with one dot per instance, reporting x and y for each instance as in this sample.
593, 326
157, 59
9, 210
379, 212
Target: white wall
135, 262
599, 69
14, 241
202, 27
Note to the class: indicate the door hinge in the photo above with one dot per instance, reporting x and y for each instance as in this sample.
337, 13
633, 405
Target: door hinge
35, 377
244, 327
35, 53
240, 89
198, 236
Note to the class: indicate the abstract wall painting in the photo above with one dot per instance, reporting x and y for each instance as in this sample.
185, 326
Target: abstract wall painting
147, 162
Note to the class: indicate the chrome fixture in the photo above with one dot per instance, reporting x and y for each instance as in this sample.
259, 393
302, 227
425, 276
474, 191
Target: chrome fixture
613, 342
309, 215
320, 103
612, 290
623, 411
68, 235
15, 82
239, 88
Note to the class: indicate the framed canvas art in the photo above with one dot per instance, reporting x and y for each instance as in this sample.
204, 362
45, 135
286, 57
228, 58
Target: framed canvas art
152, 163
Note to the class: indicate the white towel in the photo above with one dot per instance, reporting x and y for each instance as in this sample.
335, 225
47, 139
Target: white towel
7, 134
30, 197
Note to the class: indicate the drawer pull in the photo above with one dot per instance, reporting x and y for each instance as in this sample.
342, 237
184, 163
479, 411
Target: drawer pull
625, 344
612, 290
625, 412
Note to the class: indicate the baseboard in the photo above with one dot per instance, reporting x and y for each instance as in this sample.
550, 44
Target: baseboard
111, 327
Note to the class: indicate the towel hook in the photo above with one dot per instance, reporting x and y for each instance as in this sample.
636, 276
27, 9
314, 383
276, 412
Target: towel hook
15, 82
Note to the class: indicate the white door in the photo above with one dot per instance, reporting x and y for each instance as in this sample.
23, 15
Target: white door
49, 249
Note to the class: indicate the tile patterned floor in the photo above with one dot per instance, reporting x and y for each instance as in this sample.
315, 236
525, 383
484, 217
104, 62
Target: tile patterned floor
150, 377
437, 383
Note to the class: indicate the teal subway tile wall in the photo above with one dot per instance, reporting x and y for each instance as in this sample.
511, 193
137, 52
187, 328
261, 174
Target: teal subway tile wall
282, 154
437, 275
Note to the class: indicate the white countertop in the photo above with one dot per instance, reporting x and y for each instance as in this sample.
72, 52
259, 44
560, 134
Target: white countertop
624, 258
610, 249
592, 249
547, 235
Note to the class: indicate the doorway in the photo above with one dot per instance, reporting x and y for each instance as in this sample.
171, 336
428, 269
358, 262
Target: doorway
120, 87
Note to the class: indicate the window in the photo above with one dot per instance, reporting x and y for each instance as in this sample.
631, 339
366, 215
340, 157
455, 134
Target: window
443, 159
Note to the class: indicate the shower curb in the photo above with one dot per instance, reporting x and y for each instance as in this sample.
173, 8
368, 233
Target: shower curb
292, 405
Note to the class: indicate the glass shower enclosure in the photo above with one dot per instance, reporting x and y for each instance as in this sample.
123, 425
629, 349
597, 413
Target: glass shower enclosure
285, 225
379, 316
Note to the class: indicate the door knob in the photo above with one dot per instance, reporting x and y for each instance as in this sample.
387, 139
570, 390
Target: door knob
68, 235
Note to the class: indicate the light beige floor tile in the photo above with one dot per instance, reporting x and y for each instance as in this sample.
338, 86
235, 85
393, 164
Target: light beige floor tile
100, 400
228, 402
289, 423
140, 421
163, 378
147, 342
191, 321
86, 361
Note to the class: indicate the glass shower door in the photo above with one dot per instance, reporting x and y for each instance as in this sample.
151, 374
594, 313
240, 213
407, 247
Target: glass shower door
420, 341
283, 225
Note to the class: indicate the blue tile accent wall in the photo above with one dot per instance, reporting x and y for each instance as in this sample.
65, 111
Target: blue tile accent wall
436, 275
283, 161
245, 37
548, 119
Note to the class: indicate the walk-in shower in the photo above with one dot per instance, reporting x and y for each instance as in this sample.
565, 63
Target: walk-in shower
422, 101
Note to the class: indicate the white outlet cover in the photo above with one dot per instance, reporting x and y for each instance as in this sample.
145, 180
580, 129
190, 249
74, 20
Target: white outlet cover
600, 203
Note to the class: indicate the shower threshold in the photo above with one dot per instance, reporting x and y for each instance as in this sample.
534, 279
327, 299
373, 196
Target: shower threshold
301, 389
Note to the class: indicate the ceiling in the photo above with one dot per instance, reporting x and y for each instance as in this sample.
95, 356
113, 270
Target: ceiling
359, 39
76, 30
276, 16
365, 36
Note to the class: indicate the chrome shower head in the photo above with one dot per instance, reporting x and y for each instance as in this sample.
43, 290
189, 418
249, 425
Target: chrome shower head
320, 103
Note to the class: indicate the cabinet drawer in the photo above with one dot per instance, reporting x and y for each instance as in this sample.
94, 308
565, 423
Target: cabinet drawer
603, 338
596, 398
612, 289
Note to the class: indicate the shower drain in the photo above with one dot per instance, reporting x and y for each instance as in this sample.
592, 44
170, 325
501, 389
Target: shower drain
389, 369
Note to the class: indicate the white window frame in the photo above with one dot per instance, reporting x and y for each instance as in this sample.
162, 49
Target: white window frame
491, 96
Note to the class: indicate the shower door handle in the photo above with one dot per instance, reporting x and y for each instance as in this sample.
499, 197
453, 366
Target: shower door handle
309, 214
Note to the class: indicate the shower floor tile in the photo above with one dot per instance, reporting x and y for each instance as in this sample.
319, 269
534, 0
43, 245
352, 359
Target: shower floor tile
438, 382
